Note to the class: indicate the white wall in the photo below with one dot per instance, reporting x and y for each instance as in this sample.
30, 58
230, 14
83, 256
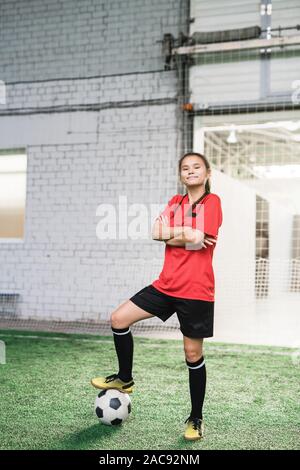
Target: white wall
70, 38
284, 13
282, 207
234, 260
240, 316
219, 82
285, 192
234, 257
236, 77
217, 16
90, 101
280, 248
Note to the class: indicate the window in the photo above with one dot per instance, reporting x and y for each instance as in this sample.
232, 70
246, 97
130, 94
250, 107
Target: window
13, 166
295, 267
262, 248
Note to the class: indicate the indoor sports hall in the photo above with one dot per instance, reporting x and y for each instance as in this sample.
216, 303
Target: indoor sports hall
99, 99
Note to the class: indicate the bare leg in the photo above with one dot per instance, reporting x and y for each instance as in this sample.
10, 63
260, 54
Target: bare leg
127, 314
193, 348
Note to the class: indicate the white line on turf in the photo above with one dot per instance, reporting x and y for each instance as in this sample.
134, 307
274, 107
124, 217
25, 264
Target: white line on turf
150, 345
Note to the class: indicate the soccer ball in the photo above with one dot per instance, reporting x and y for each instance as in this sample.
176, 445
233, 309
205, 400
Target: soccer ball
112, 407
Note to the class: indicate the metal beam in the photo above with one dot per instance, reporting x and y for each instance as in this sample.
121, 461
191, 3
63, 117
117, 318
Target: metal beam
237, 45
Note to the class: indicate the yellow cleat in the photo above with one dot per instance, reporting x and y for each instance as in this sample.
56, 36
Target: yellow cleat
194, 429
113, 381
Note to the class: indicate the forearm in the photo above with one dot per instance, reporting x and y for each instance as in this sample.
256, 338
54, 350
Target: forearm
175, 242
190, 239
183, 236
186, 241
164, 233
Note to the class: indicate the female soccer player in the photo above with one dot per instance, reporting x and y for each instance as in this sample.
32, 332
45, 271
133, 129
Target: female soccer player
189, 227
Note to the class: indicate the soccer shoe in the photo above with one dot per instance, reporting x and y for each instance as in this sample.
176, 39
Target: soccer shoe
113, 381
194, 429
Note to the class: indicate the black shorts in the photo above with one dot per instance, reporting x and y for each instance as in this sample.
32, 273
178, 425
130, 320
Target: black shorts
196, 317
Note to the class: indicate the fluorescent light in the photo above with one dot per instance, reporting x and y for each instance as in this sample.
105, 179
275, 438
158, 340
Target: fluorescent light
231, 139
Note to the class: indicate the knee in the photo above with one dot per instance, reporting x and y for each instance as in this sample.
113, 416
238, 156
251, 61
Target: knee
116, 321
193, 355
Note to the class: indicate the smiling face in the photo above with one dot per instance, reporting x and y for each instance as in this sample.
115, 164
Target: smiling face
193, 171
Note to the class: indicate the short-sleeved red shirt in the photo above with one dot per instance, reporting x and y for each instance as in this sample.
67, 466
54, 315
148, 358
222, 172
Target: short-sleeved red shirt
188, 273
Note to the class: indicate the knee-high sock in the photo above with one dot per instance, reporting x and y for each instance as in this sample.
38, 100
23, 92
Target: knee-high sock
197, 379
124, 347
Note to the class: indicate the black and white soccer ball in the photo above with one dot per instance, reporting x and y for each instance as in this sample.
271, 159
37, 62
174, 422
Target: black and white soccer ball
112, 406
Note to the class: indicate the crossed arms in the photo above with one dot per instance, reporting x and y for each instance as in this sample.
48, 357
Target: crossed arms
180, 236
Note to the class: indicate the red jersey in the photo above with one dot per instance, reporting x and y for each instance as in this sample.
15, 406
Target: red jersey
188, 273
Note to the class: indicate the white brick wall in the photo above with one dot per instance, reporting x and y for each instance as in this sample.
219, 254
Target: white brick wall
99, 92
88, 141
79, 38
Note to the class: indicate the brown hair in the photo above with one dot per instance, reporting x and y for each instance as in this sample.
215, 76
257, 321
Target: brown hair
205, 161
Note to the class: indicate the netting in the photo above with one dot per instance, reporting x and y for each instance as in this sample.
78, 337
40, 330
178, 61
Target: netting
106, 113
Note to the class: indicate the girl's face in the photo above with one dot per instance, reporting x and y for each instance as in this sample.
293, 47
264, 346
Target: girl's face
193, 171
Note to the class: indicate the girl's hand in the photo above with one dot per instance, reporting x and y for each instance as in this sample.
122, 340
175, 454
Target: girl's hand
164, 220
208, 241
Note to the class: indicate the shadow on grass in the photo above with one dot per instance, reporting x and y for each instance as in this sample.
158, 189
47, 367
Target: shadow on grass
92, 437
89, 438
183, 444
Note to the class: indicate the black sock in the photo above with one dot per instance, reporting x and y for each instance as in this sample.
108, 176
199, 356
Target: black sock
124, 347
197, 378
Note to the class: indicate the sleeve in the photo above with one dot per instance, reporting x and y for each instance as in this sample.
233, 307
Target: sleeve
212, 216
170, 207
209, 216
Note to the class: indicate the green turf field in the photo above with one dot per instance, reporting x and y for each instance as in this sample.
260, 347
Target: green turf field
252, 398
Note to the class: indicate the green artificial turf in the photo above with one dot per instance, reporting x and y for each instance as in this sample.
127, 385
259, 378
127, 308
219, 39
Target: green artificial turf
252, 396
